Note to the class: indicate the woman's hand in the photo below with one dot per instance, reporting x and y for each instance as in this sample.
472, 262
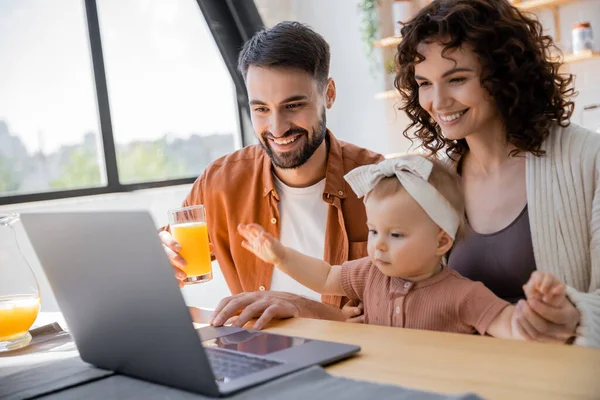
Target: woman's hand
547, 314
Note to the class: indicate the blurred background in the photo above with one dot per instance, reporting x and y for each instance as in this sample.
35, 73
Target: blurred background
121, 104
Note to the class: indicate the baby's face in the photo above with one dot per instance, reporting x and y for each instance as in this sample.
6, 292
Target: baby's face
403, 239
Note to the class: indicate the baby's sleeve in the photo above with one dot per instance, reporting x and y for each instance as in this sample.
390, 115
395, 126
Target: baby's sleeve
479, 306
353, 276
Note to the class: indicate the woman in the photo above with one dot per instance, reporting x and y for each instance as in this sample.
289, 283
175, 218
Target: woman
479, 86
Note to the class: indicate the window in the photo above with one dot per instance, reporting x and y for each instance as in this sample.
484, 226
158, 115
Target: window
102, 96
49, 130
172, 99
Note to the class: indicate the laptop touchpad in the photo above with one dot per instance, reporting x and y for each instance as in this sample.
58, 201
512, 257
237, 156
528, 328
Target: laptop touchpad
254, 342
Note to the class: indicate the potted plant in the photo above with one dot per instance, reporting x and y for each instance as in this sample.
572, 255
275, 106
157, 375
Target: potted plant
369, 28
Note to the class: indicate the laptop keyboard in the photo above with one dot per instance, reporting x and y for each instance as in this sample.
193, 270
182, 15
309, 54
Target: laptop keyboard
227, 366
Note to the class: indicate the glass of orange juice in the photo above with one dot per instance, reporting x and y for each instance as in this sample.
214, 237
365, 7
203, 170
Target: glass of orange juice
188, 227
19, 291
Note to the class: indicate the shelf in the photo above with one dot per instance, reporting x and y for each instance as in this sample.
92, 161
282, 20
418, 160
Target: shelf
590, 55
531, 5
388, 94
388, 42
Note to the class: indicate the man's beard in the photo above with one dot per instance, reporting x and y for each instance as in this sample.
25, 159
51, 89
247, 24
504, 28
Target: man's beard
297, 157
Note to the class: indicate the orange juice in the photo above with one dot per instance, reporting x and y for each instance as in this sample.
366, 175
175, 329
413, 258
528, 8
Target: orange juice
17, 314
193, 238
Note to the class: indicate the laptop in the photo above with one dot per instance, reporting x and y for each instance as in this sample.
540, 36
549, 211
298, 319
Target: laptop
116, 289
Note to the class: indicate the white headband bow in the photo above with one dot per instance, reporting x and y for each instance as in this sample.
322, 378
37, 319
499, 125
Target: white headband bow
413, 173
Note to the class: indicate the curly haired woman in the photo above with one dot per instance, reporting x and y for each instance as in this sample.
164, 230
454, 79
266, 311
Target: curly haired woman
480, 83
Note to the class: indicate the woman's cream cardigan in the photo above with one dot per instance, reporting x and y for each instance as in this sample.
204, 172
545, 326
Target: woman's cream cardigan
563, 196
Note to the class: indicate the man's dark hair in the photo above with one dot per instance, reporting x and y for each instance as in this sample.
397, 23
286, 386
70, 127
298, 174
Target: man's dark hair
288, 45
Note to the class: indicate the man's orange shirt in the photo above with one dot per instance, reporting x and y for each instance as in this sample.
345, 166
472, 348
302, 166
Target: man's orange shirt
240, 188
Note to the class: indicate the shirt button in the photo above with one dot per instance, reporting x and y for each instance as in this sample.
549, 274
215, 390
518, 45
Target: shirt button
407, 285
341, 193
261, 288
397, 309
273, 220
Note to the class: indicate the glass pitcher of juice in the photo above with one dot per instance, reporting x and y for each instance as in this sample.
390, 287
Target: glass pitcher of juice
19, 291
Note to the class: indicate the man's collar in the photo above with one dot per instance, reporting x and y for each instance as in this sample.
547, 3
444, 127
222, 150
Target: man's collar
334, 174
335, 185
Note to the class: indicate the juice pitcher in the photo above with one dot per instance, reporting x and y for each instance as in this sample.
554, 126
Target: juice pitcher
19, 291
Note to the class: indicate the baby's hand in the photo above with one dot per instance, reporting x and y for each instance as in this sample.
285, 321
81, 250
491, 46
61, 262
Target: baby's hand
262, 243
546, 288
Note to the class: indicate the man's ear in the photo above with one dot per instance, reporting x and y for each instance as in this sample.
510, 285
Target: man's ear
330, 93
444, 244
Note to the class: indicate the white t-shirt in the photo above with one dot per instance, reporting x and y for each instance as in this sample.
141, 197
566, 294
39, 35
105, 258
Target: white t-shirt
303, 220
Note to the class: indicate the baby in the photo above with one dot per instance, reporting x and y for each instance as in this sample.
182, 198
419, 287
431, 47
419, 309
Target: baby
415, 212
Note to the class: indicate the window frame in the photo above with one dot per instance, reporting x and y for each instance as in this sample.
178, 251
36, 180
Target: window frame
231, 22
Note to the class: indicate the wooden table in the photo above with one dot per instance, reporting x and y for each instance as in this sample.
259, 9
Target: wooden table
454, 363
450, 363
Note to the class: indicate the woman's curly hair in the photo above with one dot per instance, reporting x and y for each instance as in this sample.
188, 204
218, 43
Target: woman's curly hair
519, 70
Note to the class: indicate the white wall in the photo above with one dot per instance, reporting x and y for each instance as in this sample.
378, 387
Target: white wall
155, 201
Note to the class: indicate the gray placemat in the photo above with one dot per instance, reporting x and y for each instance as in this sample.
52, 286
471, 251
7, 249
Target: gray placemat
312, 384
49, 363
49, 377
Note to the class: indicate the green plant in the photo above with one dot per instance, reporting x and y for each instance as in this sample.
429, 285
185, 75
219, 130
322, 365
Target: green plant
369, 28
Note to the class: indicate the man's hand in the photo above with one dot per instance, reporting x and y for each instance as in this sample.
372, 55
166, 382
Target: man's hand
262, 305
353, 311
271, 305
172, 248
262, 243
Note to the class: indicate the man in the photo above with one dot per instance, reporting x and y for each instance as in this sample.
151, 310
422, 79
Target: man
292, 183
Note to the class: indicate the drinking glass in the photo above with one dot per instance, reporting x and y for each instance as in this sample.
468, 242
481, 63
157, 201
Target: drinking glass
188, 227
